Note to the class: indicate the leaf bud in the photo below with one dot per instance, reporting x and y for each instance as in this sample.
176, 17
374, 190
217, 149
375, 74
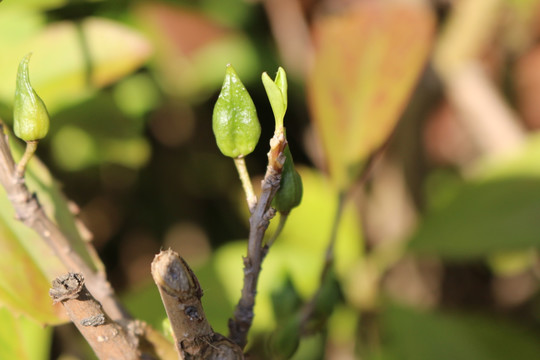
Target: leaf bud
276, 90
285, 340
286, 300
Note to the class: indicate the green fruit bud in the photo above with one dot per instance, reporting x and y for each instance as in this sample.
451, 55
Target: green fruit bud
235, 123
289, 194
30, 116
277, 94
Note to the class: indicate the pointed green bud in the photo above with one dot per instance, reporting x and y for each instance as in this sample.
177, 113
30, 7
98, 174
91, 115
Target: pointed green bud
30, 116
276, 91
328, 296
235, 121
289, 194
286, 300
285, 340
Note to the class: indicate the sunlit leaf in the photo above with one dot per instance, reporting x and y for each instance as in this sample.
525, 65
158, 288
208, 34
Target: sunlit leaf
418, 335
71, 60
367, 61
23, 339
33, 4
24, 289
495, 211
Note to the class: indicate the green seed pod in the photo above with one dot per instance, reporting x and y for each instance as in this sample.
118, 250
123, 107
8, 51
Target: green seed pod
235, 123
289, 194
30, 116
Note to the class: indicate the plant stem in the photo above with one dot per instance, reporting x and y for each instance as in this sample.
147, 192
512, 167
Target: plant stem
241, 322
181, 295
107, 338
31, 147
246, 183
329, 258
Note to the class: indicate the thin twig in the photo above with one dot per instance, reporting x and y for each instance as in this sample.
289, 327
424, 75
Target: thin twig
29, 151
106, 338
29, 211
246, 182
181, 295
240, 324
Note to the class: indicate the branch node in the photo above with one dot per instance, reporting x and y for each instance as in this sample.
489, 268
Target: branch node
66, 287
95, 320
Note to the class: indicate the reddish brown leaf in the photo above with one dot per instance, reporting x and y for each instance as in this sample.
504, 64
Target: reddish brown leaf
367, 61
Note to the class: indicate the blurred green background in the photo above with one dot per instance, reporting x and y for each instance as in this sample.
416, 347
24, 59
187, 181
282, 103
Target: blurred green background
437, 251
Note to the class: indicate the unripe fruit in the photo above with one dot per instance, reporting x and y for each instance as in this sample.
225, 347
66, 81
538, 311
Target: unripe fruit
235, 123
289, 194
30, 116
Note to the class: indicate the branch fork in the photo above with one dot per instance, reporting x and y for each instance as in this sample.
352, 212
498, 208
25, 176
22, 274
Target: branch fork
181, 295
260, 218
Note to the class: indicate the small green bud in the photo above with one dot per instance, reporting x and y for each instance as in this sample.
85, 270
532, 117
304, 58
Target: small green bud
235, 123
285, 340
30, 116
277, 94
327, 298
285, 300
289, 194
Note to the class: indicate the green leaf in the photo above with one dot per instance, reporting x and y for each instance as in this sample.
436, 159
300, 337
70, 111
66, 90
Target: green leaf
367, 61
235, 122
418, 335
496, 211
277, 94
485, 217
62, 71
33, 4
23, 339
24, 288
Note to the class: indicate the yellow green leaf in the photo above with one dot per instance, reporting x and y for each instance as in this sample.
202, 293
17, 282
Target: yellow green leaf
23, 339
71, 60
